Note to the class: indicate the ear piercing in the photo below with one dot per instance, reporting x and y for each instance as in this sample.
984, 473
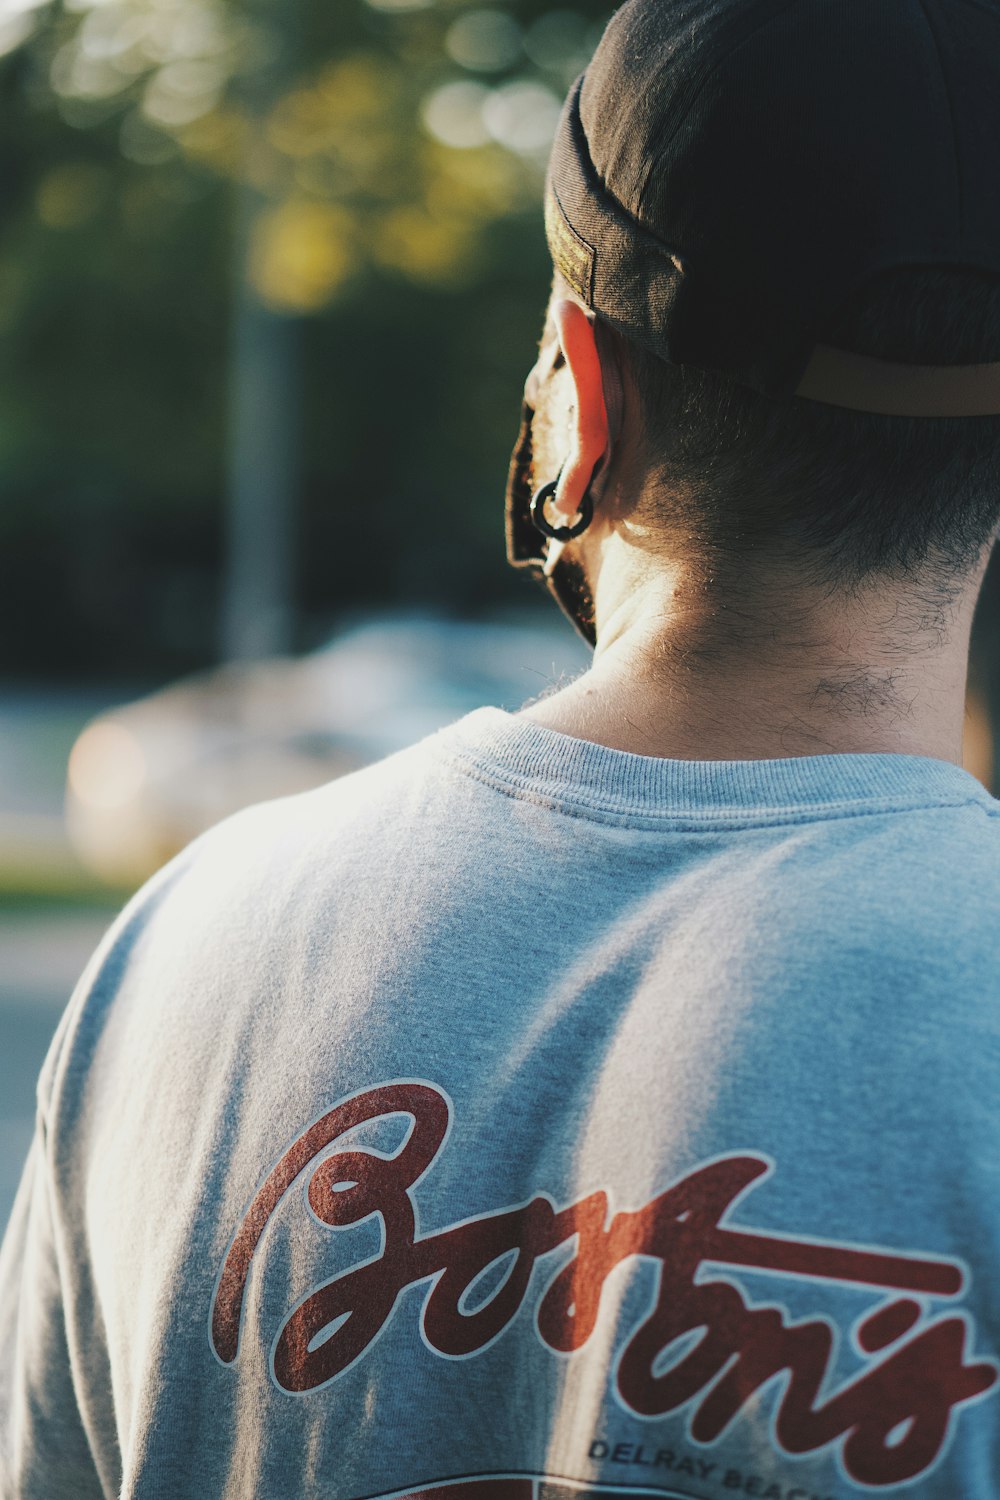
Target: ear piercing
560, 533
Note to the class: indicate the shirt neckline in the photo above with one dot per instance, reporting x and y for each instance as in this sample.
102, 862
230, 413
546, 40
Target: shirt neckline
526, 759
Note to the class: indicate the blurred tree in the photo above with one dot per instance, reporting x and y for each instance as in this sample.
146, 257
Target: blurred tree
394, 156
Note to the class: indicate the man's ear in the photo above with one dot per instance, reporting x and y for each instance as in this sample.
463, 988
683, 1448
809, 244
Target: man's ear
589, 432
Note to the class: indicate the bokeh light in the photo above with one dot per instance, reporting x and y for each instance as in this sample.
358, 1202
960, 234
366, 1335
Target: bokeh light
106, 767
487, 41
454, 114
523, 116
301, 253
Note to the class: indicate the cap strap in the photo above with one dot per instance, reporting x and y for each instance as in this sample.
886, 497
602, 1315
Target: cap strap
839, 378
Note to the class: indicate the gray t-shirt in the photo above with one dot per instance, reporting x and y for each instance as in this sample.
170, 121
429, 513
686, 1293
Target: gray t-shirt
519, 1117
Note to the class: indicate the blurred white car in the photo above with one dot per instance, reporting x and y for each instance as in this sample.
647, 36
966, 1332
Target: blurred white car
145, 779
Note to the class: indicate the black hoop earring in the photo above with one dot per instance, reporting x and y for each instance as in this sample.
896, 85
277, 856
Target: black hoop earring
559, 533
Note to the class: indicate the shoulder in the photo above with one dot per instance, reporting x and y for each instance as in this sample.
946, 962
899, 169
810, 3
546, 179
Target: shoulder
929, 864
239, 903
907, 903
269, 838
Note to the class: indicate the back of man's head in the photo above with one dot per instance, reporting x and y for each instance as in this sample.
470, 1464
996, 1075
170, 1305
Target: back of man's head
848, 496
784, 219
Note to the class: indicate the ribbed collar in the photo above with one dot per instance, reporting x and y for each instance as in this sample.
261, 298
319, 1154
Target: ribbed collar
523, 758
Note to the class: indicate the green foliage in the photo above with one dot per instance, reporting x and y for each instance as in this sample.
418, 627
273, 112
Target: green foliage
373, 172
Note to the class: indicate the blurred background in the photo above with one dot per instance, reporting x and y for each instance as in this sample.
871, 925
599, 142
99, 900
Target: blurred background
272, 273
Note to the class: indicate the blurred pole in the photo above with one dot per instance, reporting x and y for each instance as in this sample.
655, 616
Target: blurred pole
264, 464
263, 467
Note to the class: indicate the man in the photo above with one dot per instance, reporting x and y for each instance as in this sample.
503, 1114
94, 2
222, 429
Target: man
604, 1096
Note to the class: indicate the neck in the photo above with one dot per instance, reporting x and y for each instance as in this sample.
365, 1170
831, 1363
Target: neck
883, 673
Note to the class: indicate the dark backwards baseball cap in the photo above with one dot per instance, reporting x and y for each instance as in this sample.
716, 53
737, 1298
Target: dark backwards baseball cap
727, 173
